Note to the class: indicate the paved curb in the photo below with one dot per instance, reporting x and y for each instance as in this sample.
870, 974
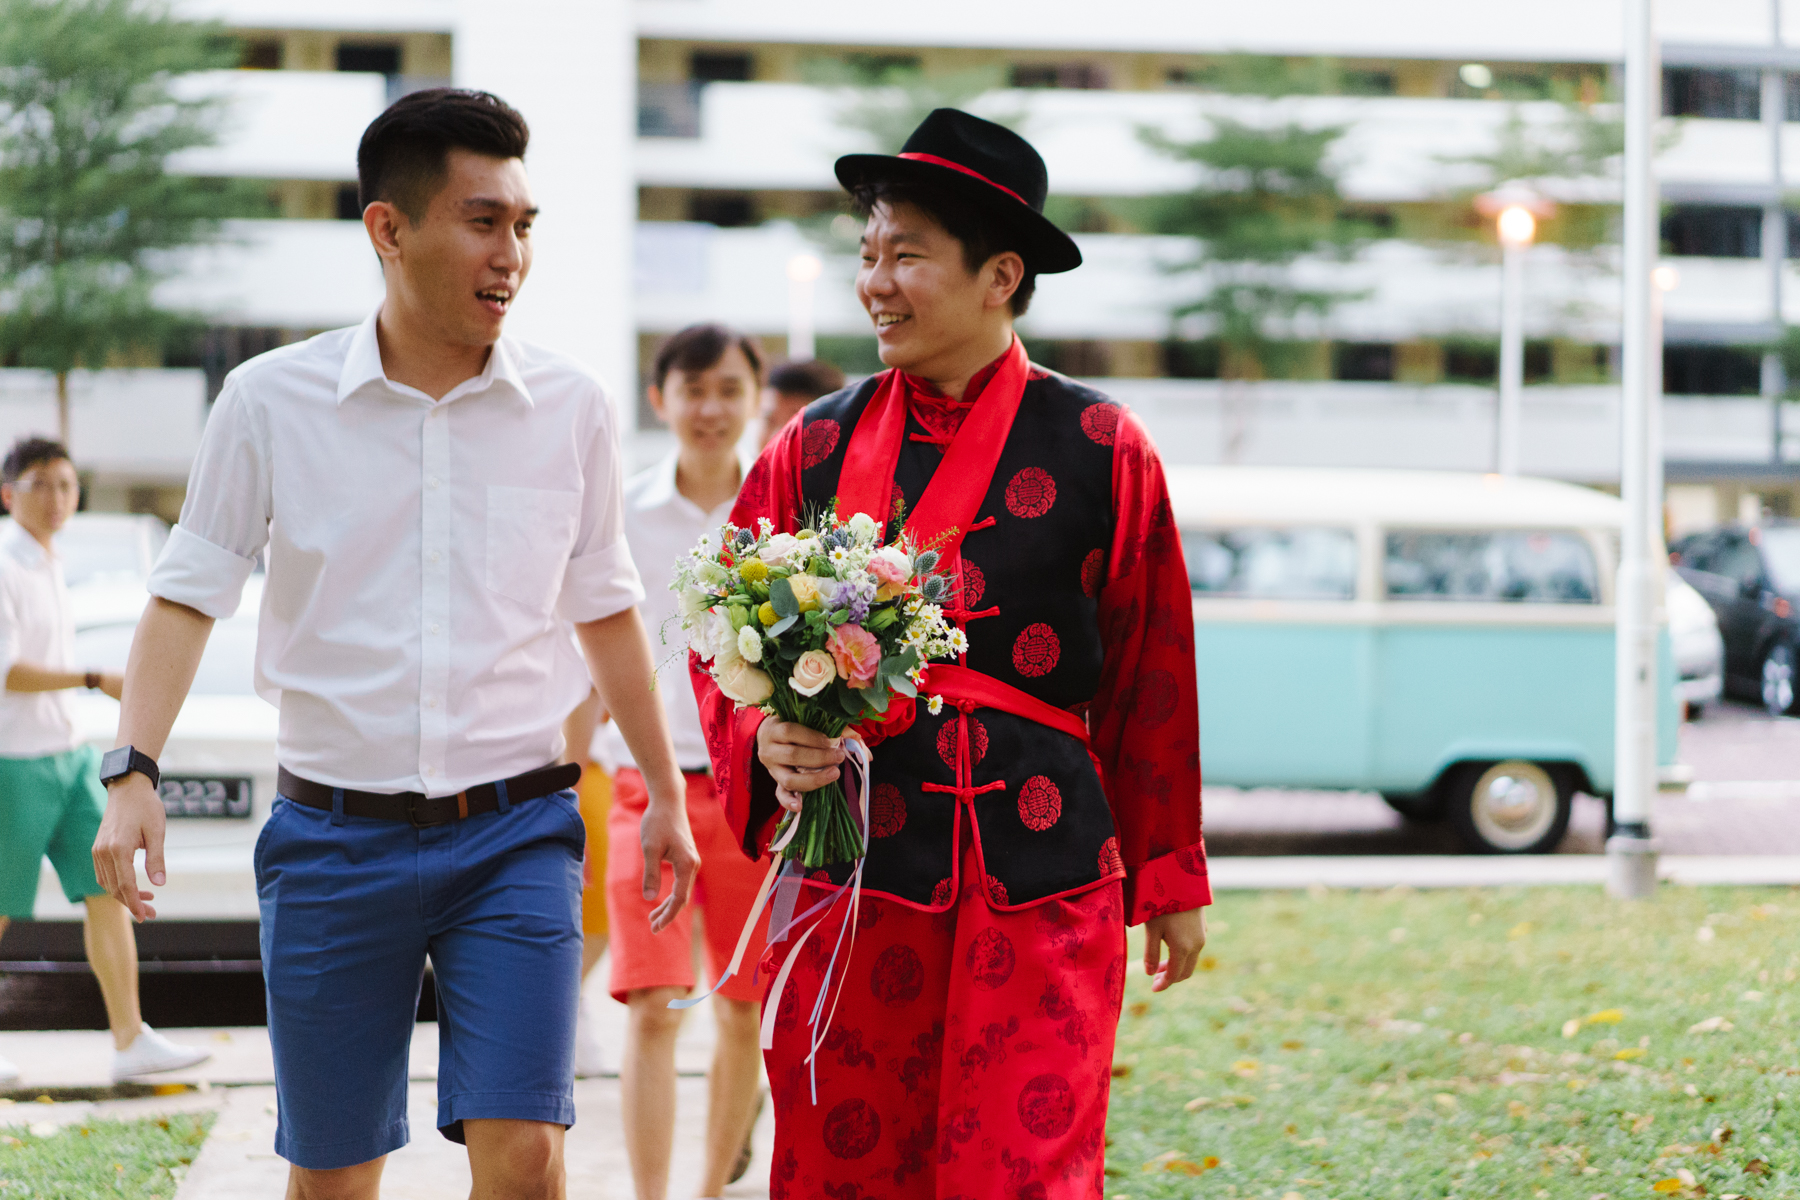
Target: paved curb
1248, 873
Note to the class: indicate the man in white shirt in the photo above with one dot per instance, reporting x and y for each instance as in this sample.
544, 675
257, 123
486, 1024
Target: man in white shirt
50, 794
704, 386
434, 499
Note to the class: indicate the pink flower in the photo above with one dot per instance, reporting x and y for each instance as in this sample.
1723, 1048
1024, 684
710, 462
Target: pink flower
890, 566
857, 653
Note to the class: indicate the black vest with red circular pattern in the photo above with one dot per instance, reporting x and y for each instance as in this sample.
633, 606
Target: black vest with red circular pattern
1032, 565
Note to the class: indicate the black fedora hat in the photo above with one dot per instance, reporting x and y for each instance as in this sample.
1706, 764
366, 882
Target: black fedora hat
983, 162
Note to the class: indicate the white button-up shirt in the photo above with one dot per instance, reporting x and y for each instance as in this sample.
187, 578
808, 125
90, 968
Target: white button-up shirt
662, 525
35, 628
420, 555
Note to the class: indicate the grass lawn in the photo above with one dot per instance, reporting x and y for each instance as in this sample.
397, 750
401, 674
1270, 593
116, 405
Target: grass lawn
1514, 1043
135, 1160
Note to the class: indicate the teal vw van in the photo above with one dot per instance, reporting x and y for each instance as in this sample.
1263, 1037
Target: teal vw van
1444, 639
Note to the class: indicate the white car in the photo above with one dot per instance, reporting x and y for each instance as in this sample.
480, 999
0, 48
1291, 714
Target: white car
1699, 651
218, 781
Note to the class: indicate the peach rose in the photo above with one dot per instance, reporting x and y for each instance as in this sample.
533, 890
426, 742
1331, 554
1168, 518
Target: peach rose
856, 652
812, 673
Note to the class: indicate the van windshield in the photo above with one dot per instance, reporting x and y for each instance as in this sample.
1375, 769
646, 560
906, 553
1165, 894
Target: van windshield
1509, 565
1272, 564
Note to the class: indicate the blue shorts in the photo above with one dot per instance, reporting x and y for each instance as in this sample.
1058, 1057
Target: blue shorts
352, 906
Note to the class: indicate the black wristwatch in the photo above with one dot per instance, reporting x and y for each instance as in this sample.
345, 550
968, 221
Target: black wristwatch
117, 764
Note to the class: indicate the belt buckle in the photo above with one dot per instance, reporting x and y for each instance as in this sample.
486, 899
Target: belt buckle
412, 812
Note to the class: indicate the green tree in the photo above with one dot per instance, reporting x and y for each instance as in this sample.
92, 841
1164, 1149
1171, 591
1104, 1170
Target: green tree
89, 114
884, 99
1267, 196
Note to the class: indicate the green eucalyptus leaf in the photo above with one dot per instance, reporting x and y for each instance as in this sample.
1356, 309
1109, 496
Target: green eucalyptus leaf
781, 595
876, 698
903, 685
782, 626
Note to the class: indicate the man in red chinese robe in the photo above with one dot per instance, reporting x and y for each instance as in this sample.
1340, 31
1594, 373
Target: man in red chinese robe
1047, 793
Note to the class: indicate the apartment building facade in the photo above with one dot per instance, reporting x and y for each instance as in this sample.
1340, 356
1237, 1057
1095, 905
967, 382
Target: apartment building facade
683, 151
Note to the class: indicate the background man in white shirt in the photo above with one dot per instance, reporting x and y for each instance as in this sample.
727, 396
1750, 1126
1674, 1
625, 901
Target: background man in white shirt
704, 387
434, 499
50, 794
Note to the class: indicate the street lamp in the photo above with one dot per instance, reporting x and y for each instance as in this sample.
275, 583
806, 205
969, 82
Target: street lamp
802, 271
1515, 209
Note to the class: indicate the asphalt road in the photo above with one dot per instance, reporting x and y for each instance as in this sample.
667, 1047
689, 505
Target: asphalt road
1746, 800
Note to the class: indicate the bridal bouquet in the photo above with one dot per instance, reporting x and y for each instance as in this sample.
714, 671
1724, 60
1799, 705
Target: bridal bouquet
822, 627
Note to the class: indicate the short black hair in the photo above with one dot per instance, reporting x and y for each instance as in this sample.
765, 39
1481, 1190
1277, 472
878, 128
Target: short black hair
403, 153
700, 347
813, 378
982, 232
29, 452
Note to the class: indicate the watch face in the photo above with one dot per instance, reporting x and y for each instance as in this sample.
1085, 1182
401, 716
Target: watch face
115, 763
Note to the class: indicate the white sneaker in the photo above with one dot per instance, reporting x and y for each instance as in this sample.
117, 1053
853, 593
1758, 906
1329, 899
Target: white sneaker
151, 1052
590, 1055
9, 1072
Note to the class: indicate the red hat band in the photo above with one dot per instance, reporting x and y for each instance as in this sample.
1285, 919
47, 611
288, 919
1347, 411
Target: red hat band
956, 166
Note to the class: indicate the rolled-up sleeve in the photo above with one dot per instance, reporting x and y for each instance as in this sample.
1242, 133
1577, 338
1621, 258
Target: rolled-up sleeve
600, 580
225, 517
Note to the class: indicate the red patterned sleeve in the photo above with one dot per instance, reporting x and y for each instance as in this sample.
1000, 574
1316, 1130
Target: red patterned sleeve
1145, 719
772, 490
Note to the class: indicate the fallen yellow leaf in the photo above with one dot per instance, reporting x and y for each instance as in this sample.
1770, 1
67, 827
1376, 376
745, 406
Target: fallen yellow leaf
1293, 1044
1520, 930
1606, 1016
1197, 1103
1629, 1053
1666, 1185
1138, 1009
1121, 1070
1208, 963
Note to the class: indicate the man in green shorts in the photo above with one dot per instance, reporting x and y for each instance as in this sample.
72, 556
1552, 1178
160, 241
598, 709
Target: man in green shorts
50, 794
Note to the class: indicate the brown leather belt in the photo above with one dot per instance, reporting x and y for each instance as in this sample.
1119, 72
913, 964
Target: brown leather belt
421, 810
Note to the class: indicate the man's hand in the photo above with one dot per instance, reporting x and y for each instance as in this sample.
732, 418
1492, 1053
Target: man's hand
666, 837
1184, 933
134, 821
800, 759
112, 685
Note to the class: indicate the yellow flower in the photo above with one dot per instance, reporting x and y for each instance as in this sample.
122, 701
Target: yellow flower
753, 570
766, 614
806, 592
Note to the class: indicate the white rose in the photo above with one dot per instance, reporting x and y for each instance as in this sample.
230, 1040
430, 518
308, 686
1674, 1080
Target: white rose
749, 644
739, 680
782, 550
693, 602
812, 673
714, 635
863, 526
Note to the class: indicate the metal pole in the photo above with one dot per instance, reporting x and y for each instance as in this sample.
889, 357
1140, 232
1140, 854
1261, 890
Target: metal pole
1774, 237
1631, 855
1512, 356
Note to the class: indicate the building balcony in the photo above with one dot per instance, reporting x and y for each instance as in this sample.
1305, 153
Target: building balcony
285, 124
346, 16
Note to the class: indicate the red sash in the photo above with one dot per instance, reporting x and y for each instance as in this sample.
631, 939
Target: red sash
947, 509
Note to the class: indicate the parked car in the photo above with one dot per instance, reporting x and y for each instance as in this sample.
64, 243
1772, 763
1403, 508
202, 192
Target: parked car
1698, 648
1443, 639
218, 782
106, 560
1751, 577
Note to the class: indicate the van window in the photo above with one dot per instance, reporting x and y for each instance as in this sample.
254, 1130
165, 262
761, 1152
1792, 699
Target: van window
1272, 564
1501, 565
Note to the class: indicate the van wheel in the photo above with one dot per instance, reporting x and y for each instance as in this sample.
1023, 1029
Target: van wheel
1778, 680
1416, 806
1511, 807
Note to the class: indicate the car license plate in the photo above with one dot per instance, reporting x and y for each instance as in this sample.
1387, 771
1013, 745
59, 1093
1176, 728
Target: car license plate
188, 796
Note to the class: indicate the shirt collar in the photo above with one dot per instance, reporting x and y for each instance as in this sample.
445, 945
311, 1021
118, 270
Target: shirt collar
662, 490
21, 546
362, 366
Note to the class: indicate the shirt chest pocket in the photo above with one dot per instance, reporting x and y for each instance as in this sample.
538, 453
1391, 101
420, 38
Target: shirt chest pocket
530, 532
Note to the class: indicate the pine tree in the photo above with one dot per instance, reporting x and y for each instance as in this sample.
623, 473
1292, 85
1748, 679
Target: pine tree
89, 114
1267, 197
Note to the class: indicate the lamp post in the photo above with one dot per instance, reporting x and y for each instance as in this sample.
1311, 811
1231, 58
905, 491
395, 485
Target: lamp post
802, 272
1630, 853
1515, 209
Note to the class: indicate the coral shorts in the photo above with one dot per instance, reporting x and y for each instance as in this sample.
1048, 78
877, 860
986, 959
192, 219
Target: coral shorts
724, 893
